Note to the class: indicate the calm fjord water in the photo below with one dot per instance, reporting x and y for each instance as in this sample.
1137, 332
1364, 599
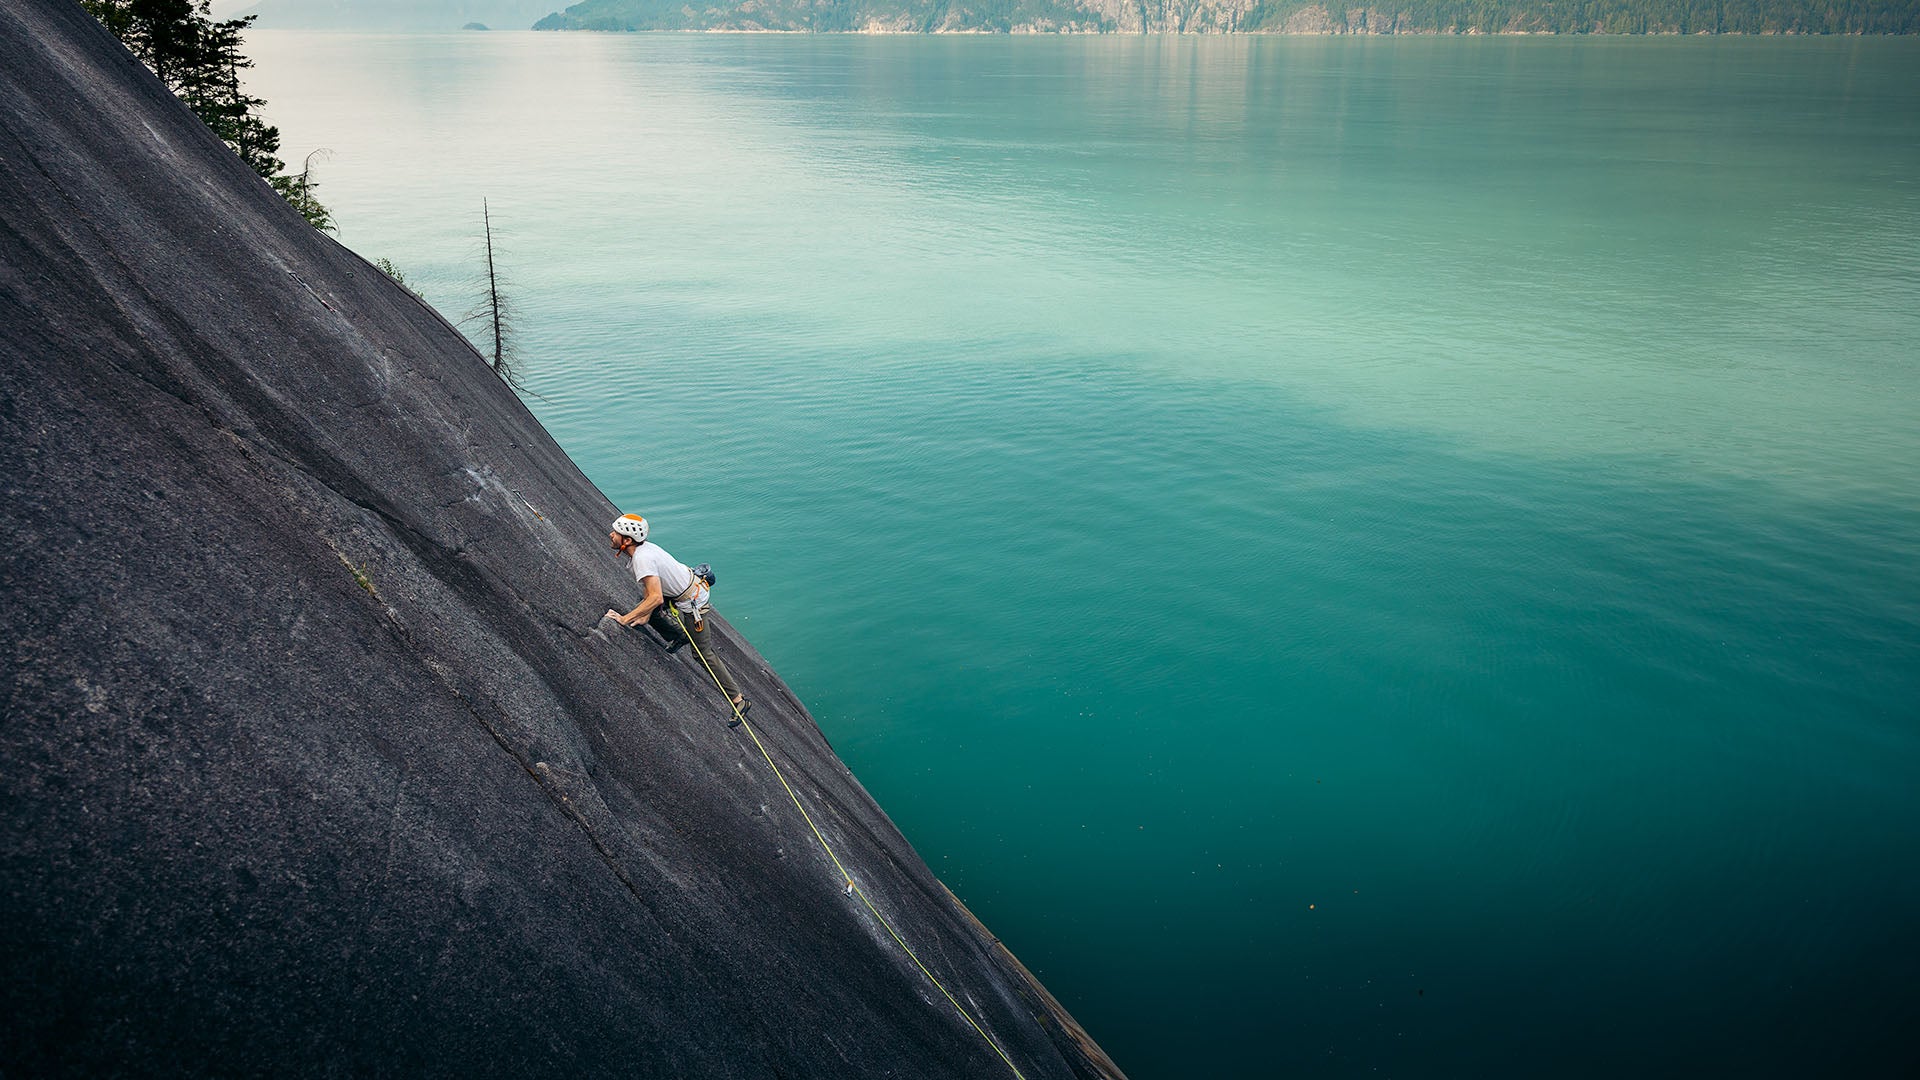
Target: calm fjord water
1357, 557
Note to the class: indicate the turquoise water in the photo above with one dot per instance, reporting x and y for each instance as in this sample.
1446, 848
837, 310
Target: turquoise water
1354, 557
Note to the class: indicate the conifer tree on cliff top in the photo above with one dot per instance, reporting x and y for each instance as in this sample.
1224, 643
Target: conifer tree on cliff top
200, 61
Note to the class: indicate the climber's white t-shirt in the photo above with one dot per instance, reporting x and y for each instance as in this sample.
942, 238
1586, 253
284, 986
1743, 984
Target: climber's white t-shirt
652, 560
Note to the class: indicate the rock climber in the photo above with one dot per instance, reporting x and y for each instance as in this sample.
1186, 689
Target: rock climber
666, 580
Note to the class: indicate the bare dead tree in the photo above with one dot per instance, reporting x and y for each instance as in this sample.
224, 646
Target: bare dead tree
494, 312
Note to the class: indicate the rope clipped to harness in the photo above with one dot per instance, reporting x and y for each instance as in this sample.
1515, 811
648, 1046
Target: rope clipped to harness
852, 888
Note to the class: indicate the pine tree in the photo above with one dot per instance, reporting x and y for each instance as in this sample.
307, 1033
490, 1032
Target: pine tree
200, 61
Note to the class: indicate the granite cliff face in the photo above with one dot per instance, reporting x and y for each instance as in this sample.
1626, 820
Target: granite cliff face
313, 758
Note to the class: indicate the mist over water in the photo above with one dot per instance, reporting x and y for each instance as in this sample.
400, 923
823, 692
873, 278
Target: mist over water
1369, 557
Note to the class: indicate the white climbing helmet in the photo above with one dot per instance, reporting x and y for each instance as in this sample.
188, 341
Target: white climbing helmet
631, 525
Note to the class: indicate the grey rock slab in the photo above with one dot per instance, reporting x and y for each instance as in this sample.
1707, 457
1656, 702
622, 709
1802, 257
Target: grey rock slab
314, 758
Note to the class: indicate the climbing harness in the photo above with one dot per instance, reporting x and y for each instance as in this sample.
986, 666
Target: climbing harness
852, 889
701, 577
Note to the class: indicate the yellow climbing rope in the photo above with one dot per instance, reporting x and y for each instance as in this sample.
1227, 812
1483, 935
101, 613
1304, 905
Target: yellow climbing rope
853, 887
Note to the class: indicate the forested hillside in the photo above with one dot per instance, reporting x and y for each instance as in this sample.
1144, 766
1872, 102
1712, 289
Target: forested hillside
397, 14
1252, 16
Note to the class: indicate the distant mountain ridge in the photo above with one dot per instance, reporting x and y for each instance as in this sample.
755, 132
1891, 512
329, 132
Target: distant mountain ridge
395, 14
1248, 16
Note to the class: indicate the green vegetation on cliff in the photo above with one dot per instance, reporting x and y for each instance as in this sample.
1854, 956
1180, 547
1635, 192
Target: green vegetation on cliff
1255, 16
200, 60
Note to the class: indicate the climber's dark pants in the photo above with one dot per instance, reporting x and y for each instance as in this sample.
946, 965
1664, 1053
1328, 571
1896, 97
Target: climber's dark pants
667, 619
